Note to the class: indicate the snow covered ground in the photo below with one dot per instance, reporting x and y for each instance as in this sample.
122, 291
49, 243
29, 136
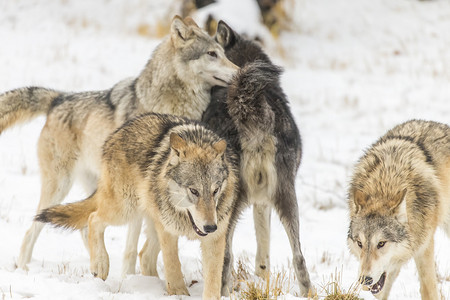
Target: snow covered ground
353, 69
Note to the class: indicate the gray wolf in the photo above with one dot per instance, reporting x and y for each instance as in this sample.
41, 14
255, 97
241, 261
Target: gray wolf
253, 114
176, 174
399, 194
176, 80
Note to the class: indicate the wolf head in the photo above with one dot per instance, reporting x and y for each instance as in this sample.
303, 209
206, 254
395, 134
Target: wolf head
198, 176
239, 50
205, 58
378, 238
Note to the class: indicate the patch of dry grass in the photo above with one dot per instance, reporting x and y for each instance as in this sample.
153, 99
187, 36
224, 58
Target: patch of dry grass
275, 285
251, 287
333, 290
279, 283
65, 268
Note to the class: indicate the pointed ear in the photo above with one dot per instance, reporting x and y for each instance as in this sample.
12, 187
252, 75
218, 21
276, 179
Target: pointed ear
177, 143
220, 147
225, 36
398, 206
179, 31
359, 199
396, 201
190, 22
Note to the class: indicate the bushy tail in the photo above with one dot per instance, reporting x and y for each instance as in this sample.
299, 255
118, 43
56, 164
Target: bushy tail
69, 216
248, 94
23, 104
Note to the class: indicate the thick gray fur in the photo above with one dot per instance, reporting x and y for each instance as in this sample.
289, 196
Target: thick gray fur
253, 114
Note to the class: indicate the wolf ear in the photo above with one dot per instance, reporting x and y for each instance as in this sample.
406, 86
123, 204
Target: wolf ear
225, 36
396, 202
179, 31
220, 146
360, 199
177, 143
190, 22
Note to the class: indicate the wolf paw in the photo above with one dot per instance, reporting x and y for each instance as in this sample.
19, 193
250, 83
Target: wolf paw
22, 266
177, 289
129, 263
148, 269
308, 293
100, 270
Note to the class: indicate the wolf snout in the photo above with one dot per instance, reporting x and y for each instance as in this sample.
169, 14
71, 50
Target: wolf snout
369, 285
227, 77
209, 228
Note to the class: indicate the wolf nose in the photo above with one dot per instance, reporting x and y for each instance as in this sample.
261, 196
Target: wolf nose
366, 280
209, 228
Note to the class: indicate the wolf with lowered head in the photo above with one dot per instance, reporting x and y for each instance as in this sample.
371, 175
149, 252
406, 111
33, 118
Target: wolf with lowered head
399, 194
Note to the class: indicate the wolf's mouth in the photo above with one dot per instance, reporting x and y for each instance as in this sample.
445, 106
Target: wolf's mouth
221, 80
377, 287
196, 229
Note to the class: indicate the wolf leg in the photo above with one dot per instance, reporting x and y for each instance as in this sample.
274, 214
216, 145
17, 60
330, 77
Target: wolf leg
287, 208
172, 266
56, 183
427, 272
261, 217
213, 251
228, 261
148, 256
227, 279
298, 260
130, 254
99, 256
228, 285
52, 193
28, 242
89, 182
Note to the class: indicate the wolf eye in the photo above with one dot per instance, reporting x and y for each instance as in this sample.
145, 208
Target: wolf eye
216, 191
359, 244
212, 54
194, 192
381, 245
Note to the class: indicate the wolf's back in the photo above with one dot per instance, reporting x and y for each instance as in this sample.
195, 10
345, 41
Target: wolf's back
422, 131
23, 104
432, 138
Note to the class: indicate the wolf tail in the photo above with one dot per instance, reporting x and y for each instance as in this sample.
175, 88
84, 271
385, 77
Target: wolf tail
23, 104
248, 94
68, 216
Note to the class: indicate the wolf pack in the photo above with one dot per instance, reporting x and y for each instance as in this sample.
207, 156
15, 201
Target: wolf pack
204, 132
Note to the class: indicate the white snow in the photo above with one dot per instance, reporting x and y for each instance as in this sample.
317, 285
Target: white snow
353, 69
